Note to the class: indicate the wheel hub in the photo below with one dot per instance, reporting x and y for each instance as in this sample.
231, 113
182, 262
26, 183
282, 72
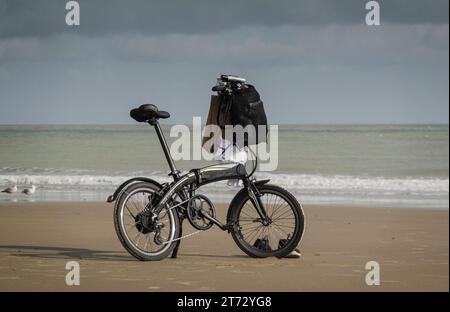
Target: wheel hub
144, 223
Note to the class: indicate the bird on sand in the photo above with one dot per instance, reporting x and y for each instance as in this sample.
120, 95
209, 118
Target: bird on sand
29, 191
11, 189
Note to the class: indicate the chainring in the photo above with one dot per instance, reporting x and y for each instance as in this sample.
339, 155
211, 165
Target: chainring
196, 204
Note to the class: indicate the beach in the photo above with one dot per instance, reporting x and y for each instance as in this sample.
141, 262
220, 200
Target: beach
410, 245
370, 193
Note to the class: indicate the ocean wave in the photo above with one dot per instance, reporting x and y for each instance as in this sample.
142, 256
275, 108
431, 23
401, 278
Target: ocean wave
365, 184
298, 183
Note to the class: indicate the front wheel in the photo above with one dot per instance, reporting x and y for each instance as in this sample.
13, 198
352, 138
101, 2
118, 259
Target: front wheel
280, 236
144, 235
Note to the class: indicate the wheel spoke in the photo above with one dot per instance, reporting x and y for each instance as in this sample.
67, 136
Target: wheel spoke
283, 222
128, 209
137, 232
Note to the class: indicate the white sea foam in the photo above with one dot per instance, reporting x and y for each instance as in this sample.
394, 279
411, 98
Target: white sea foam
367, 185
297, 183
378, 165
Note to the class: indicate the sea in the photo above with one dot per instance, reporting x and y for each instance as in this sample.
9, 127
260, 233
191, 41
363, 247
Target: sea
359, 165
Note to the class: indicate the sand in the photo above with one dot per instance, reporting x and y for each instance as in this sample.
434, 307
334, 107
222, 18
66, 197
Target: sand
38, 239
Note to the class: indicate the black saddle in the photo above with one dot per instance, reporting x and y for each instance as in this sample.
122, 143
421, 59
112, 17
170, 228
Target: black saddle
148, 112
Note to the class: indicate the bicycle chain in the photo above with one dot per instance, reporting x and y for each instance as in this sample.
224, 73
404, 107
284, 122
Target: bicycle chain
184, 236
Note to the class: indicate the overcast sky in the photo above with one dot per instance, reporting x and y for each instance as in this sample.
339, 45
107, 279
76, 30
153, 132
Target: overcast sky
312, 61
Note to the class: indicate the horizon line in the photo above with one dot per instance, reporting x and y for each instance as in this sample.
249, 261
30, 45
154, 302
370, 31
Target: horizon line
282, 124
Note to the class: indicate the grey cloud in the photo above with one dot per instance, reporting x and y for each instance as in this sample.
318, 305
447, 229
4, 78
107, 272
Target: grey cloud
329, 74
20, 18
313, 61
351, 45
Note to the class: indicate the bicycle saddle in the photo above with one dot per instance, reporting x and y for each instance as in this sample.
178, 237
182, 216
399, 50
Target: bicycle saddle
146, 112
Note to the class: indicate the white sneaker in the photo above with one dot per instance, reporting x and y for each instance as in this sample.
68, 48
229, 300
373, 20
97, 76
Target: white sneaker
294, 254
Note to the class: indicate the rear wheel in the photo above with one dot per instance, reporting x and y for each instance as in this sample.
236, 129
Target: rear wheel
144, 237
280, 236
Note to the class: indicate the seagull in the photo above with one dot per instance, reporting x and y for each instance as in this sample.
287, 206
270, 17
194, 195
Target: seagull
11, 189
29, 191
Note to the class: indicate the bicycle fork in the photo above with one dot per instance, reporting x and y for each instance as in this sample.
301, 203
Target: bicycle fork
255, 197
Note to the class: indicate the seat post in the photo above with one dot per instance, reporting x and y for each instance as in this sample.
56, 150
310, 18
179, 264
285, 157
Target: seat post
173, 170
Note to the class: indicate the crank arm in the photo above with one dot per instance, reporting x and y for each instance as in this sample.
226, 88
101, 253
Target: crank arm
206, 215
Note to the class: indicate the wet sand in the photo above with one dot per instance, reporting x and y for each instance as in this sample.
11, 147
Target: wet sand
38, 239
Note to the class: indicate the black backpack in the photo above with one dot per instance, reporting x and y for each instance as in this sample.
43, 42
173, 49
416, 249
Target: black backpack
243, 107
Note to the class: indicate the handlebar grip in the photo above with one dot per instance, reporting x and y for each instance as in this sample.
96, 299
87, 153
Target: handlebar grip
232, 78
218, 88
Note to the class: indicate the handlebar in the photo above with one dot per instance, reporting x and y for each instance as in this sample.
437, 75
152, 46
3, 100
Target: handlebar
228, 82
218, 88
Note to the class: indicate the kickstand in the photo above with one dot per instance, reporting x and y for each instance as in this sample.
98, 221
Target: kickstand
177, 246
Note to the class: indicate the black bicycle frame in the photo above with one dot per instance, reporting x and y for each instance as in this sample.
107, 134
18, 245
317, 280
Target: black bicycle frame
202, 176
162, 140
196, 178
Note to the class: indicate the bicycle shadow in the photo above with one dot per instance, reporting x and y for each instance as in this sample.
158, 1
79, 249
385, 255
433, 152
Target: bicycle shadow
52, 252
212, 256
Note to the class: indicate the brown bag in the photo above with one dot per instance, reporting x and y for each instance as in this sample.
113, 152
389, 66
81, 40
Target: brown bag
213, 117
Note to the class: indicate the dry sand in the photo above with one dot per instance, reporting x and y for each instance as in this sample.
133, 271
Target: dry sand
411, 245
